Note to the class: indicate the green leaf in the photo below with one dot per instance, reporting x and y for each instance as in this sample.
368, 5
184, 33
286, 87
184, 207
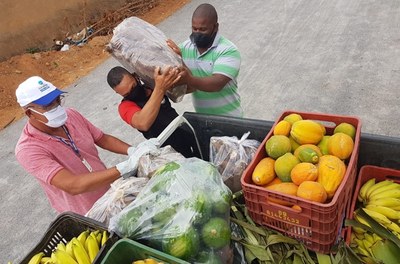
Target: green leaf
274, 239
323, 258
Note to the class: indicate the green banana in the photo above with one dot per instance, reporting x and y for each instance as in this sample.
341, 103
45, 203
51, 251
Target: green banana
364, 189
386, 251
386, 211
36, 258
80, 253
64, 258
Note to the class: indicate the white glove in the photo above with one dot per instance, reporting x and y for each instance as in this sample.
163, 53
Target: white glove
148, 146
129, 167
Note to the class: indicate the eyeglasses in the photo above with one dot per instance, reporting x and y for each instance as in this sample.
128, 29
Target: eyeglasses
60, 100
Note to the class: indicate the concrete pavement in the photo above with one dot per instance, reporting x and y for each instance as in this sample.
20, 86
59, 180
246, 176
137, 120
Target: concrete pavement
339, 57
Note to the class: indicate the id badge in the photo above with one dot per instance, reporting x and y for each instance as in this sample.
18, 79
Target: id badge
87, 165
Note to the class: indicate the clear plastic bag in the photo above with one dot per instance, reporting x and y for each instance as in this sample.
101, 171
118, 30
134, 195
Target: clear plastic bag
140, 47
231, 156
148, 164
121, 193
183, 211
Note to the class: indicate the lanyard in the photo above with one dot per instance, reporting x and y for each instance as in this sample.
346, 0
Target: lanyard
72, 145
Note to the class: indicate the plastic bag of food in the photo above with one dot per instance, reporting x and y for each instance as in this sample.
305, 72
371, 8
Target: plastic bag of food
232, 155
140, 47
182, 211
148, 164
121, 193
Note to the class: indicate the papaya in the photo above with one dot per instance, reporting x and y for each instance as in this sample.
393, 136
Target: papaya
293, 143
284, 165
331, 171
312, 191
276, 180
292, 118
264, 172
277, 145
288, 188
340, 145
323, 145
307, 132
282, 128
304, 171
308, 153
346, 128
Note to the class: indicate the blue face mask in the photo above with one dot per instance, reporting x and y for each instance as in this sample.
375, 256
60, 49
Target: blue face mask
202, 40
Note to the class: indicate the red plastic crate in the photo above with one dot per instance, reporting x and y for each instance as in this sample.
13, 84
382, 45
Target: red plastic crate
317, 225
368, 172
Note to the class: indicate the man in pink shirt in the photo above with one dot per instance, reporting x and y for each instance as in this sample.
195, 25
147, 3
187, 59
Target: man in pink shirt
58, 147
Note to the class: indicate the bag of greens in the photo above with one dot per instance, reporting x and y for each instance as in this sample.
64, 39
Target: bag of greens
183, 211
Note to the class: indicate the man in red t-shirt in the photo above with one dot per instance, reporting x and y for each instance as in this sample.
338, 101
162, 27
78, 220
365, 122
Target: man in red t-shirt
149, 110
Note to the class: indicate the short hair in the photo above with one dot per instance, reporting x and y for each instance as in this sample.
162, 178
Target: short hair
115, 76
206, 11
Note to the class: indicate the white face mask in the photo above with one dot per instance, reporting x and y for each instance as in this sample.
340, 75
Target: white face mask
56, 117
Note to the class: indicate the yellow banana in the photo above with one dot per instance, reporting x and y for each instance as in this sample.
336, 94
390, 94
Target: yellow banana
98, 238
388, 202
36, 258
92, 247
63, 257
369, 238
360, 219
376, 186
61, 246
104, 238
45, 260
388, 187
367, 246
364, 189
386, 211
68, 247
376, 237
82, 236
80, 253
383, 220
361, 247
395, 193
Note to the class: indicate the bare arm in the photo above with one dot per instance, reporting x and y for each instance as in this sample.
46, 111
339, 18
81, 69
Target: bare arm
145, 118
113, 144
77, 184
212, 83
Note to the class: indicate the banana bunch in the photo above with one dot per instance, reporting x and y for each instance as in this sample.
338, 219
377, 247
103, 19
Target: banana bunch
82, 249
381, 201
362, 242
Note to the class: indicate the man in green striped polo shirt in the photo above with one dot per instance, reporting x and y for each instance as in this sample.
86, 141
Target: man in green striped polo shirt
213, 64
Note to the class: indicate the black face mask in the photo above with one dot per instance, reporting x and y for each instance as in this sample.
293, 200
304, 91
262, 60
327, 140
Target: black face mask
202, 40
138, 93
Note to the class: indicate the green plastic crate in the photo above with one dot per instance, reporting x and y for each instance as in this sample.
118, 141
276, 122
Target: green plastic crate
125, 251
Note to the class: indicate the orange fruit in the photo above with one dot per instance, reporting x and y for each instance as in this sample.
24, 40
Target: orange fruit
312, 191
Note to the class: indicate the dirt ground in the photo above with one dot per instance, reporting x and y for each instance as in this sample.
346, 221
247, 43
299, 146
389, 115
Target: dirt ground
62, 68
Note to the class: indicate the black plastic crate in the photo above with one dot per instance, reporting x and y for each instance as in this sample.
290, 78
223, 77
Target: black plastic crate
66, 226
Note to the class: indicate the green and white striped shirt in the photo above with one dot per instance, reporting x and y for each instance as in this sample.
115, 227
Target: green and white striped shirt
222, 57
